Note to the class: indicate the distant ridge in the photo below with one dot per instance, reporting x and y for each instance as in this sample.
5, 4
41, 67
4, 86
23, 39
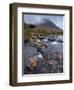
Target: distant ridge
46, 26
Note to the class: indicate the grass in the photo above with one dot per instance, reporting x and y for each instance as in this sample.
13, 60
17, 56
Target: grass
29, 33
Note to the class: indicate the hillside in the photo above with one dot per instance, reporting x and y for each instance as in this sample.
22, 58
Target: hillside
45, 28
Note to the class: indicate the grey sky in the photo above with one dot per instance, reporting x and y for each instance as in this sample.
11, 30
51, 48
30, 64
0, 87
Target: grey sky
34, 19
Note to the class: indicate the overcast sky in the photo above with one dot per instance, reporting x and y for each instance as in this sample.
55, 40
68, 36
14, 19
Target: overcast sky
34, 19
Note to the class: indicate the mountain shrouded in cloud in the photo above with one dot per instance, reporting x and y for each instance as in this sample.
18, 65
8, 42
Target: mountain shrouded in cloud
48, 24
44, 28
36, 19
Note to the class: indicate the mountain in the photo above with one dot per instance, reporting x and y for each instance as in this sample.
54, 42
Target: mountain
45, 27
48, 25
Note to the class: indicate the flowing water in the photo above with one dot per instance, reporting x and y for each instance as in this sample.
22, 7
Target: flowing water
53, 50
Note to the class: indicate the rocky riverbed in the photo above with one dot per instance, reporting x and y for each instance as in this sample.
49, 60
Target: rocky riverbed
44, 59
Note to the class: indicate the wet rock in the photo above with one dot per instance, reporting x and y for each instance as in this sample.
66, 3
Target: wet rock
31, 65
60, 41
51, 38
53, 65
59, 56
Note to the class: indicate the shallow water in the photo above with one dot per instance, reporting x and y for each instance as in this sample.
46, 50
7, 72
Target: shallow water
53, 47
